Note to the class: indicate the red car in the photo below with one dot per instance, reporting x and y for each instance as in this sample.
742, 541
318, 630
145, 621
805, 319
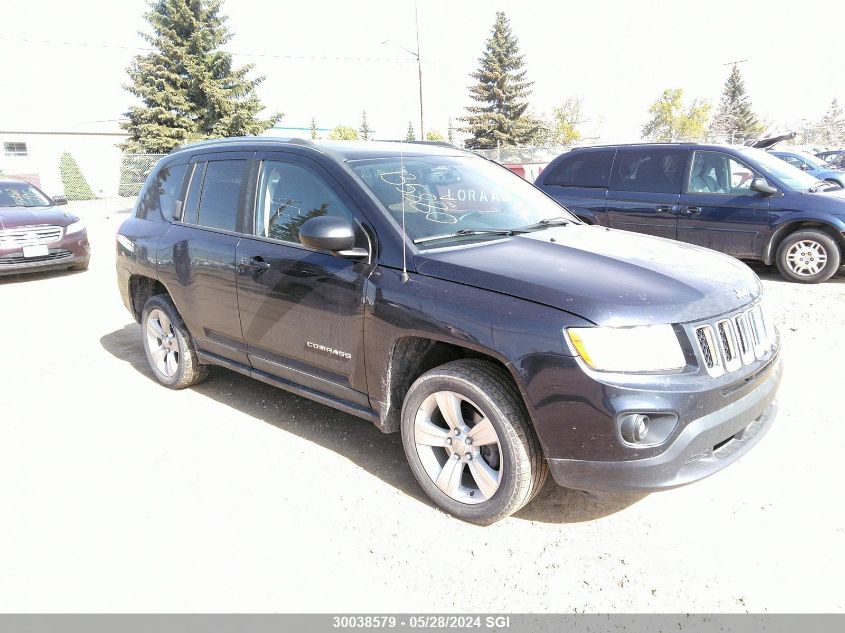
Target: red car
35, 234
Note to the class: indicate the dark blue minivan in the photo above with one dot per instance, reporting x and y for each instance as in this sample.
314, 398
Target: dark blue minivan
738, 200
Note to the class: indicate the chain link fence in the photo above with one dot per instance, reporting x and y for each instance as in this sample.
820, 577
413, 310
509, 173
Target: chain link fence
522, 155
134, 169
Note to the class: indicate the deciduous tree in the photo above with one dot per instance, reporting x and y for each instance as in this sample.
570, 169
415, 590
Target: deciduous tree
673, 120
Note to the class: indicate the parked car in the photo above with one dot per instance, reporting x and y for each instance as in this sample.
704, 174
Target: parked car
439, 295
738, 200
816, 167
831, 156
36, 235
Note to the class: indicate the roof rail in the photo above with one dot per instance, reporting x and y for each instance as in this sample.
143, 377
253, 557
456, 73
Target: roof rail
225, 140
437, 143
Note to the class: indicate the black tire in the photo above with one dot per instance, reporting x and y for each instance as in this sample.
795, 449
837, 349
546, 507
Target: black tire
821, 241
189, 371
521, 464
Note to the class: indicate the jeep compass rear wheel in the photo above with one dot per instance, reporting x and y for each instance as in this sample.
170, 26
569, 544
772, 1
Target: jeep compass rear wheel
808, 257
469, 442
168, 345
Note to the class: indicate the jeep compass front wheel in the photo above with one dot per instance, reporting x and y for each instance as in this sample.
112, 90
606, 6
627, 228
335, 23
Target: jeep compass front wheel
168, 345
468, 440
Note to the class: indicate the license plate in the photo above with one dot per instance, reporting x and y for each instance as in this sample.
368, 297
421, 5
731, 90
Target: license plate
35, 250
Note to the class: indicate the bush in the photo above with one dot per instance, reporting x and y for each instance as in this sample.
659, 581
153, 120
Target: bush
76, 187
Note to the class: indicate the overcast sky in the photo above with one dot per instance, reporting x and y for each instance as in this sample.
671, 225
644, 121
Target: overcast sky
618, 56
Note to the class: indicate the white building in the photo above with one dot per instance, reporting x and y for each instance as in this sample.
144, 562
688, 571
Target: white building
34, 156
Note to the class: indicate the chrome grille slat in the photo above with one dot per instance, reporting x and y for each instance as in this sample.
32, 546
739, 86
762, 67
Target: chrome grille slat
30, 235
730, 343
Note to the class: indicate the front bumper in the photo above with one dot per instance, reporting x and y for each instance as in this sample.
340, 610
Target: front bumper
70, 250
704, 446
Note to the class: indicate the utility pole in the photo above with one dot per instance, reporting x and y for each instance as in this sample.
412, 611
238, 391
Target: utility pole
416, 54
419, 69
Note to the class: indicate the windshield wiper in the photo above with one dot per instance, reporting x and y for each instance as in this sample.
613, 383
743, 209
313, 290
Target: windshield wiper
465, 232
820, 186
545, 222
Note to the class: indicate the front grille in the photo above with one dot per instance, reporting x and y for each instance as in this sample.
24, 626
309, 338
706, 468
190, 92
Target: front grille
29, 235
9, 260
734, 342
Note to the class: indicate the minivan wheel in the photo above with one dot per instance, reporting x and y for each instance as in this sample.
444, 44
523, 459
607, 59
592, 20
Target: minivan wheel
469, 442
808, 257
168, 346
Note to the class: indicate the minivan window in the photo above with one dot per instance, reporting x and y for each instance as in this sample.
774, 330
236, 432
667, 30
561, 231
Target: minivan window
159, 198
288, 195
715, 172
582, 169
655, 170
221, 191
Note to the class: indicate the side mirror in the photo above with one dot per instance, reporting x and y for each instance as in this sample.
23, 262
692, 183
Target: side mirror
59, 200
761, 186
330, 233
805, 167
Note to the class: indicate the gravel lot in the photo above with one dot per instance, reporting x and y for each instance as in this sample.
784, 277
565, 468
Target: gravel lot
120, 495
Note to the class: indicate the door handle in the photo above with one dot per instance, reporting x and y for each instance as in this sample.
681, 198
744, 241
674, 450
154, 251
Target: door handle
256, 264
692, 210
664, 208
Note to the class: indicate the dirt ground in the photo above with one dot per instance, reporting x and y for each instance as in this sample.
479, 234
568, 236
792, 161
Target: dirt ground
117, 494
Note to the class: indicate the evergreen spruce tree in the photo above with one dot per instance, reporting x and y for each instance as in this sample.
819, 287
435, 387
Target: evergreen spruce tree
411, 135
735, 121
450, 132
501, 92
188, 87
313, 129
75, 185
364, 132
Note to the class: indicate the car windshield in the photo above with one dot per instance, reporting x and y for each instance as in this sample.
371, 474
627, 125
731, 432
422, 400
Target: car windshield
445, 195
791, 176
20, 194
812, 161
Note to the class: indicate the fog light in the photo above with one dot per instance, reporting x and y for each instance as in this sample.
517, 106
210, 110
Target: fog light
634, 427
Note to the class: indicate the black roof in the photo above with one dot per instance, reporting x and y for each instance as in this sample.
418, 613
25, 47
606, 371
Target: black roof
341, 150
646, 145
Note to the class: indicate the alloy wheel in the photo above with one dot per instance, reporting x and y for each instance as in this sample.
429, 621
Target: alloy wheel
162, 343
458, 447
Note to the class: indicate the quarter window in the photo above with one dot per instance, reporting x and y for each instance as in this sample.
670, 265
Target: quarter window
287, 196
159, 197
221, 192
714, 172
649, 170
582, 169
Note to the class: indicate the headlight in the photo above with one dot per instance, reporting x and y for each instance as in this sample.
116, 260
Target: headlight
76, 227
629, 349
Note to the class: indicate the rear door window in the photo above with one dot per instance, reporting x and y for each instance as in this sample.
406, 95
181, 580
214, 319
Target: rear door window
219, 199
653, 170
582, 169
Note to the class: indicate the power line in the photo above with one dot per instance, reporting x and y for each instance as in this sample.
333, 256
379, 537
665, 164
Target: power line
239, 53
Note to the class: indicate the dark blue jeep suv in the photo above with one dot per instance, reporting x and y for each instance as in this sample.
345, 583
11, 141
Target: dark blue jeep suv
738, 200
435, 293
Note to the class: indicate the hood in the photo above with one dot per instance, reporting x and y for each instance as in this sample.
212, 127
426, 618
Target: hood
607, 276
13, 217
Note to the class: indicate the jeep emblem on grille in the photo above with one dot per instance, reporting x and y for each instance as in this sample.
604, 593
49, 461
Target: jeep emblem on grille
742, 293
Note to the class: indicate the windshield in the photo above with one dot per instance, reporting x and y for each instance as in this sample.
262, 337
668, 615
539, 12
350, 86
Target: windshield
20, 194
443, 195
791, 176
